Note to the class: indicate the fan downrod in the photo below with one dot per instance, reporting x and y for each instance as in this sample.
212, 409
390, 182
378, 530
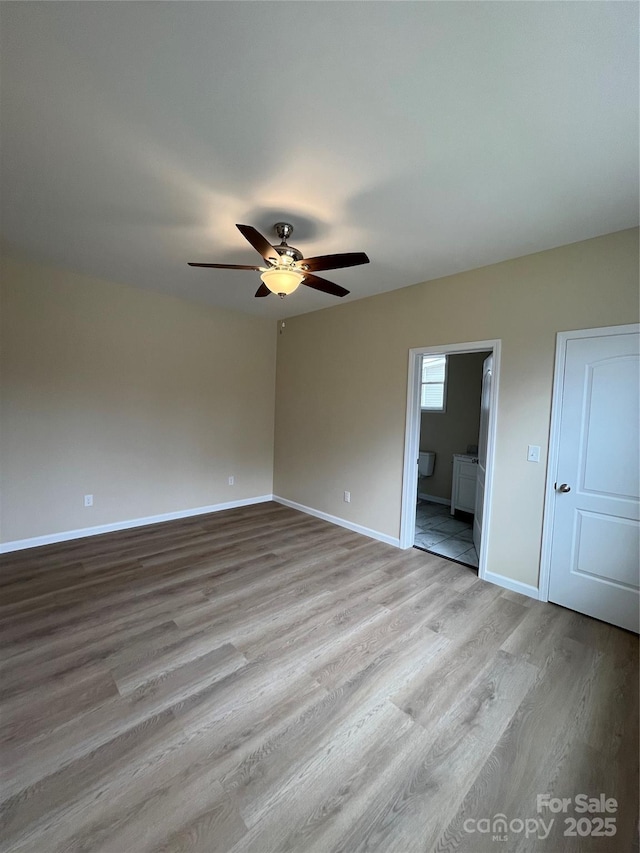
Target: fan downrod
284, 230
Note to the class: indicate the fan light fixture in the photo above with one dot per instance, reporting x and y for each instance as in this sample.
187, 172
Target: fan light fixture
282, 281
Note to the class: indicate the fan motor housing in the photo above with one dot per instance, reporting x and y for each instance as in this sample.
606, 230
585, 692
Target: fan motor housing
290, 251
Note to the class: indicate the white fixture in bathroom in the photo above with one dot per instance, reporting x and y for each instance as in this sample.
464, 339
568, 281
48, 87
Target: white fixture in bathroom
426, 461
463, 487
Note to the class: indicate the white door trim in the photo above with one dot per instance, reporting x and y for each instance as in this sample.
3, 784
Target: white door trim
562, 338
412, 440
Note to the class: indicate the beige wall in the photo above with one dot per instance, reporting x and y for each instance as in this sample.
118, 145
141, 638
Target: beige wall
145, 401
150, 403
451, 431
342, 376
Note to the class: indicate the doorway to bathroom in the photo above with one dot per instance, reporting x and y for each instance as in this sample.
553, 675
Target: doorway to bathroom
449, 445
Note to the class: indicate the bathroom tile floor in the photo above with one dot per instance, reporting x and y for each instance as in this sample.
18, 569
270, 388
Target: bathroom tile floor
441, 533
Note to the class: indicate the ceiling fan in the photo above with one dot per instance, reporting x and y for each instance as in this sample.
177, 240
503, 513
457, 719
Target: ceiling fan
286, 269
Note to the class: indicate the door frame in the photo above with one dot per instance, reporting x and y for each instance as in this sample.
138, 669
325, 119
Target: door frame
562, 339
412, 440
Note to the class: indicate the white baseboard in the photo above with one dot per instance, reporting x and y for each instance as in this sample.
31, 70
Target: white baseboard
434, 500
65, 536
341, 522
508, 583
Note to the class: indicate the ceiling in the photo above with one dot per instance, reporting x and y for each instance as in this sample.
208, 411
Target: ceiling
434, 136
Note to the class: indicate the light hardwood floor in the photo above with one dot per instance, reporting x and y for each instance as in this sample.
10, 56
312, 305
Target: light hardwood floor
259, 680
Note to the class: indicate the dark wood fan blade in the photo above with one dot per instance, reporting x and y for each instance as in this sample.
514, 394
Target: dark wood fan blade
334, 262
322, 284
226, 266
259, 243
263, 290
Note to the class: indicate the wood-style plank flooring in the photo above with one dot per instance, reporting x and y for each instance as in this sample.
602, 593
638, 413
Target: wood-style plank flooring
259, 680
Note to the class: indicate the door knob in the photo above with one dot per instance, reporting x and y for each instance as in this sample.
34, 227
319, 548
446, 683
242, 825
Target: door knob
563, 488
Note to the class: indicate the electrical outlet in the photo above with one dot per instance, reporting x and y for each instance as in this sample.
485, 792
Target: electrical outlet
88, 500
347, 497
232, 480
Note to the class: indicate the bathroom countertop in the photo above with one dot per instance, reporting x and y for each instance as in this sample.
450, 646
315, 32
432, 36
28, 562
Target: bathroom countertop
468, 457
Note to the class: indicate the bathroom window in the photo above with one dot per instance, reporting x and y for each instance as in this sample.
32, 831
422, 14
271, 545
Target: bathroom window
433, 391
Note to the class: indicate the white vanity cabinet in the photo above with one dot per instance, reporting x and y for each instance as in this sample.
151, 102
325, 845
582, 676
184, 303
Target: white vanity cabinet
463, 490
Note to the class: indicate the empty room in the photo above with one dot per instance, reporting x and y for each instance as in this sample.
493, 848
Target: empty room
319, 454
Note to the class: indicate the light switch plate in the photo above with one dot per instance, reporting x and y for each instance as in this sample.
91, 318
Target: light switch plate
533, 453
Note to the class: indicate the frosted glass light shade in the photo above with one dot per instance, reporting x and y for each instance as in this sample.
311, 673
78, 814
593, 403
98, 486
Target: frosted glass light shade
282, 281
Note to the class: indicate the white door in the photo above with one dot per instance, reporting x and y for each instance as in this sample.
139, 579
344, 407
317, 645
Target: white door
485, 402
594, 563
